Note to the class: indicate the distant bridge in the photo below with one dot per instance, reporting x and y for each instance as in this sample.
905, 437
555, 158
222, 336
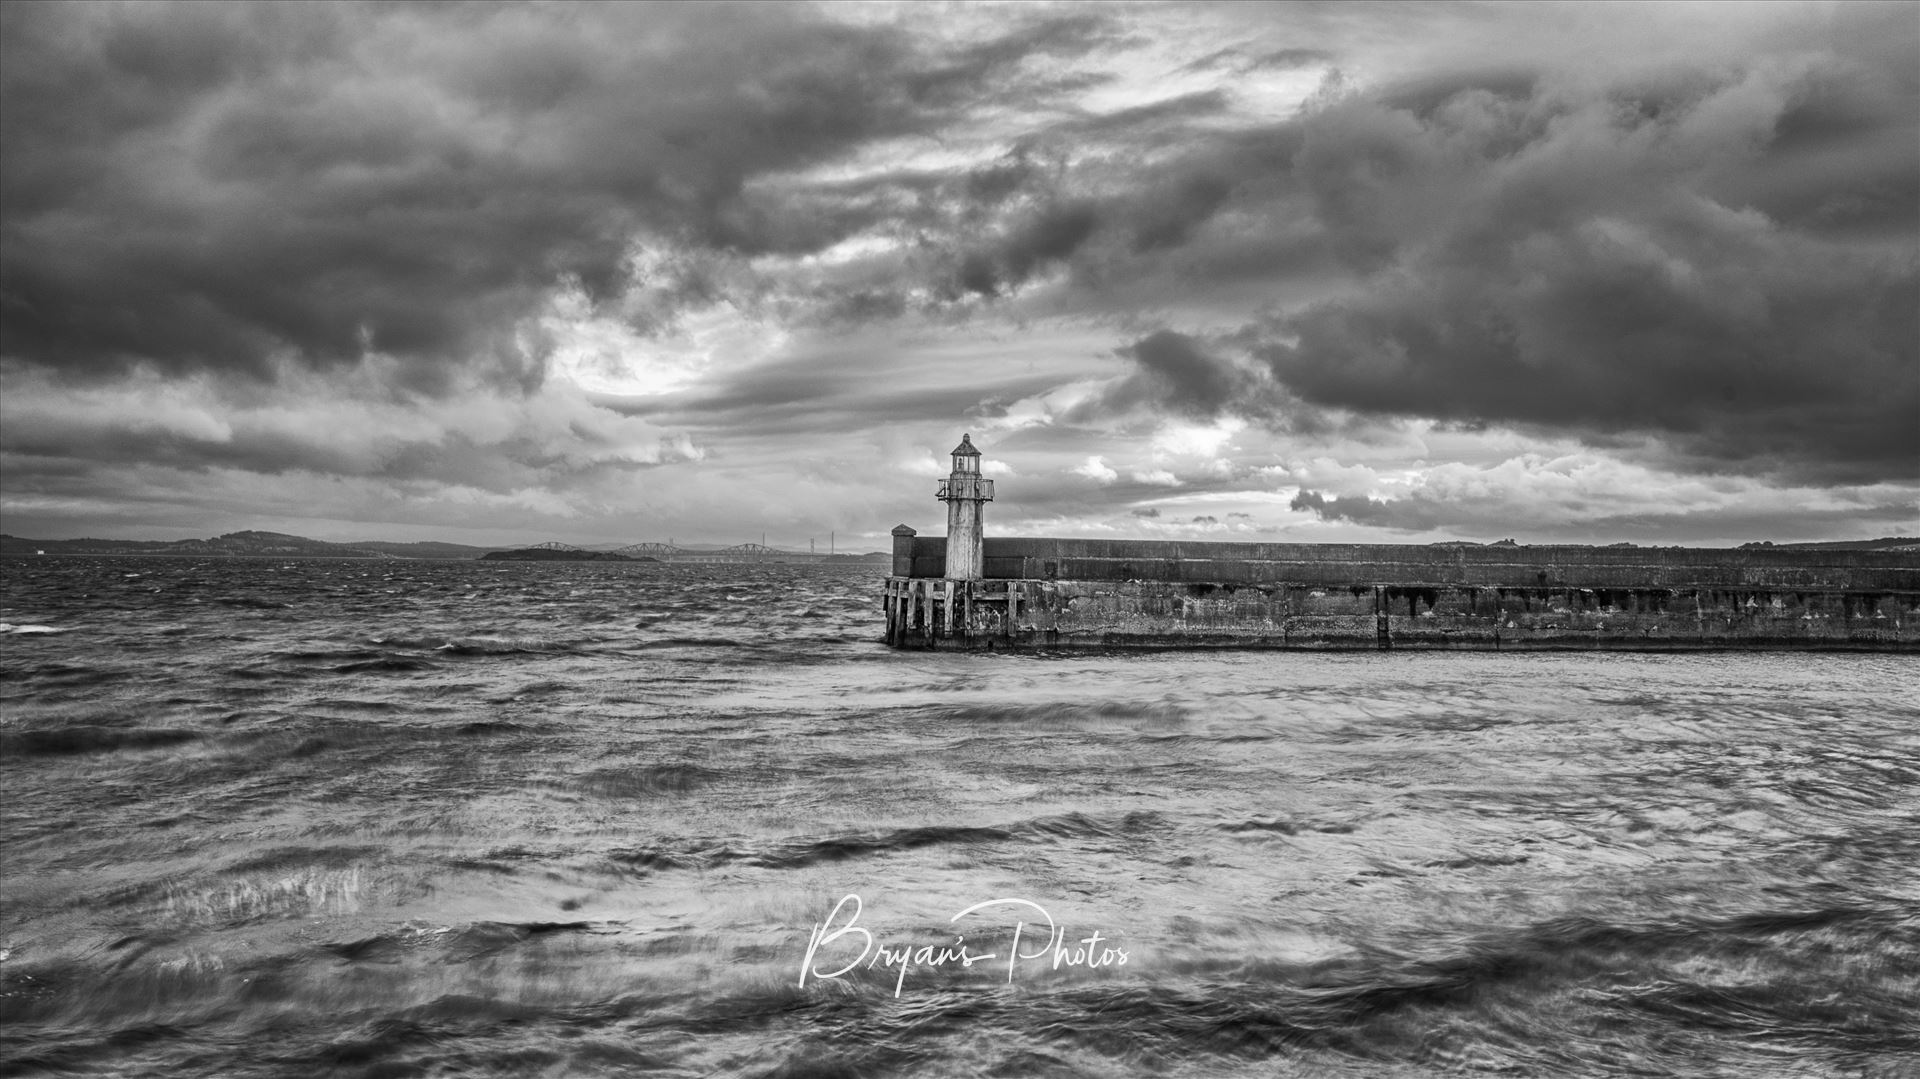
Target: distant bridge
667, 552
662, 551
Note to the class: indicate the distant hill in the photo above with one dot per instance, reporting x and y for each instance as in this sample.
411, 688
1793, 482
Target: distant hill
256, 544
1889, 543
423, 549
549, 554
241, 544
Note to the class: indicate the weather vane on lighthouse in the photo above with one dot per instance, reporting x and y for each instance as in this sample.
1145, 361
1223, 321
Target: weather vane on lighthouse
965, 494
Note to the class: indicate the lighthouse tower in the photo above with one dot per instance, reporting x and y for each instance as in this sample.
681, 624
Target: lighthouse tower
965, 493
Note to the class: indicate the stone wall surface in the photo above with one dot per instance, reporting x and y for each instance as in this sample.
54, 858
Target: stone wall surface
1015, 558
1114, 593
1108, 614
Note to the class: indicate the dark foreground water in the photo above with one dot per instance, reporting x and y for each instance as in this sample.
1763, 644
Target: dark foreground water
397, 818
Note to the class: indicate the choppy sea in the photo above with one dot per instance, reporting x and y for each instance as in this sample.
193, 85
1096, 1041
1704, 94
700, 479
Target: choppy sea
356, 818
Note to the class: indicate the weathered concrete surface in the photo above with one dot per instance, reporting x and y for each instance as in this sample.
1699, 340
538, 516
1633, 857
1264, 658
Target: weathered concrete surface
1341, 564
1127, 593
1059, 614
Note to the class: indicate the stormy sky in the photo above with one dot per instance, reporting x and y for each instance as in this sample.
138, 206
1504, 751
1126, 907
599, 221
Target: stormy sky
610, 273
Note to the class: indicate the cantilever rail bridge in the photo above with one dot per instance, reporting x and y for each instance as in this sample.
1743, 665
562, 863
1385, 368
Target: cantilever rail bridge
667, 552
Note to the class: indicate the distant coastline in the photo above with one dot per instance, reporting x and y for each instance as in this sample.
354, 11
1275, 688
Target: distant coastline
256, 544
250, 544
540, 554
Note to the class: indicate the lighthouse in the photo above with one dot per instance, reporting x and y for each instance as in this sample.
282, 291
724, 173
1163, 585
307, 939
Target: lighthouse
965, 493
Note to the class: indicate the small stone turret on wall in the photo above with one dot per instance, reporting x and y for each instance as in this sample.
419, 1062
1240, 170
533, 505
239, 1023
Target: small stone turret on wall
903, 550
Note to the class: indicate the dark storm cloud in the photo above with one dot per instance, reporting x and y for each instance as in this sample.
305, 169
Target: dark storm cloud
1043, 238
936, 208
773, 225
1178, 374
1821, 379
1187, 202
1723, 255
220, 186
1085, 200
1549, 255
1424, 95
1089, 200
1406, 514
1128, 196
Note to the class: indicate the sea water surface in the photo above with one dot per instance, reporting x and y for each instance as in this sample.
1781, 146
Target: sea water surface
354, 818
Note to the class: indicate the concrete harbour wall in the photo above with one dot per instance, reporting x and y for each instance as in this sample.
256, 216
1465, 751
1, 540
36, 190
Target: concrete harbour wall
1042, 593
